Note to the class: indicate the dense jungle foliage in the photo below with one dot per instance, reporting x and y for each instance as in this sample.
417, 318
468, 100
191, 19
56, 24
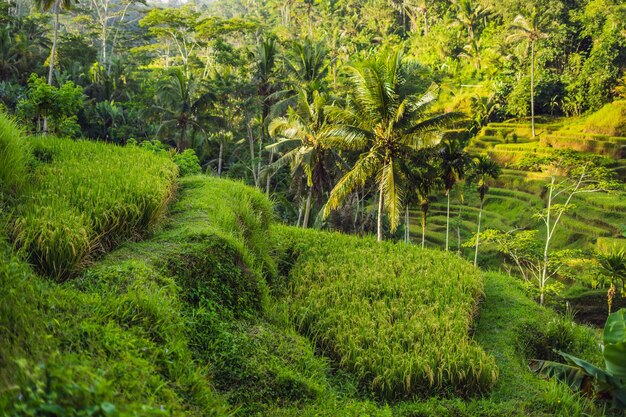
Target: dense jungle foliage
462, 161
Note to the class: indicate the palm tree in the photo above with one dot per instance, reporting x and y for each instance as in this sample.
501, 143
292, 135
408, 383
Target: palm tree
265, 56
385, 117
613, 266
56, 5
483, 169
470, 15
302, 137
531, 28
424, 178
181, 105
454, 162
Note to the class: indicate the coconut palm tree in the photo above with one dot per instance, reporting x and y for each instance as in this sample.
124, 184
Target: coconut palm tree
613, 266
385, 117
484, 168
181, 104
470, 14
454, 161
301, 136
264, 61
56, 6
424, 179
532, 29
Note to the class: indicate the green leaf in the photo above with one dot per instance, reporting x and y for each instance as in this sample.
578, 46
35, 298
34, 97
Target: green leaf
615, 344
573, 376
108, 409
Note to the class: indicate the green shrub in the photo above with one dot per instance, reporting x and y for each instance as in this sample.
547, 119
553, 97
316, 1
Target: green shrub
396, 317
188, 163
13, 157
86, 197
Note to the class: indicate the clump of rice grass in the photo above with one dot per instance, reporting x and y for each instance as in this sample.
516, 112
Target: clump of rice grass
609, 120
13, 157
397, 317
86, 197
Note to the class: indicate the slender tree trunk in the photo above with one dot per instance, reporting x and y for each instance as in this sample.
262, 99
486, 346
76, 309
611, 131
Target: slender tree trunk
423, 227
251, 144
299, 214
480, 214
57, 11
219, 160
307, 210
379, 226
183, 139
407, 226
458, 231
546, 249
447, 219
532, 87
268, 180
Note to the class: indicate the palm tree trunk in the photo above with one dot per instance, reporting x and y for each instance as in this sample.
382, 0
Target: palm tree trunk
423, 227
458, 231
448, 220
57, 11
480, 214
407, 225
532, 87
307, 210
379, 226
268, 180
183, 139
219, 160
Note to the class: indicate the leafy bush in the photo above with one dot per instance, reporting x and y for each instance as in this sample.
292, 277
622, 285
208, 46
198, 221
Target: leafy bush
396, 317
188, 163
13, 156
85, 197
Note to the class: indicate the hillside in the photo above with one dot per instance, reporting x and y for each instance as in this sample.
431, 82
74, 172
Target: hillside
217, 310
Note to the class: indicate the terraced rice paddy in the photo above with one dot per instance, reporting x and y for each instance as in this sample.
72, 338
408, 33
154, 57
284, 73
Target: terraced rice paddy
395, 316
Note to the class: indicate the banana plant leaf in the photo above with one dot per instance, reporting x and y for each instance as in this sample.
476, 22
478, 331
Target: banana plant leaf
574, 376
615, 345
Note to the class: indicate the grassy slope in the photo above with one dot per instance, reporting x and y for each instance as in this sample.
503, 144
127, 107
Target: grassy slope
395, 316
156, 327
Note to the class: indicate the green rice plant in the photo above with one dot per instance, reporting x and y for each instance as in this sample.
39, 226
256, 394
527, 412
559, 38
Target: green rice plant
609, 120
86, 197
13, 156
396, 317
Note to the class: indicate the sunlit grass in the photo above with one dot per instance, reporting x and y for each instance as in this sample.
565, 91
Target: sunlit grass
84, 197
395, 316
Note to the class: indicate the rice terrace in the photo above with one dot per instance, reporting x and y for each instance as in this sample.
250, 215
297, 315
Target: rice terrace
317, 208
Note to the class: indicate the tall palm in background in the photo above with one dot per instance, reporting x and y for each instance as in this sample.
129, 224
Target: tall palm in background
532, 29
425, 179
301, 136
470, 15
56, 6
454, 162
264, 61
385, 118
182, 104
484, 168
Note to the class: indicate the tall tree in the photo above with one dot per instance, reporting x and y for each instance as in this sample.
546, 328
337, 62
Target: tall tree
301, 136
454, 162
56, 6
484, 168
470, 15
265, 56
386, 118
181, 102
531, 28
